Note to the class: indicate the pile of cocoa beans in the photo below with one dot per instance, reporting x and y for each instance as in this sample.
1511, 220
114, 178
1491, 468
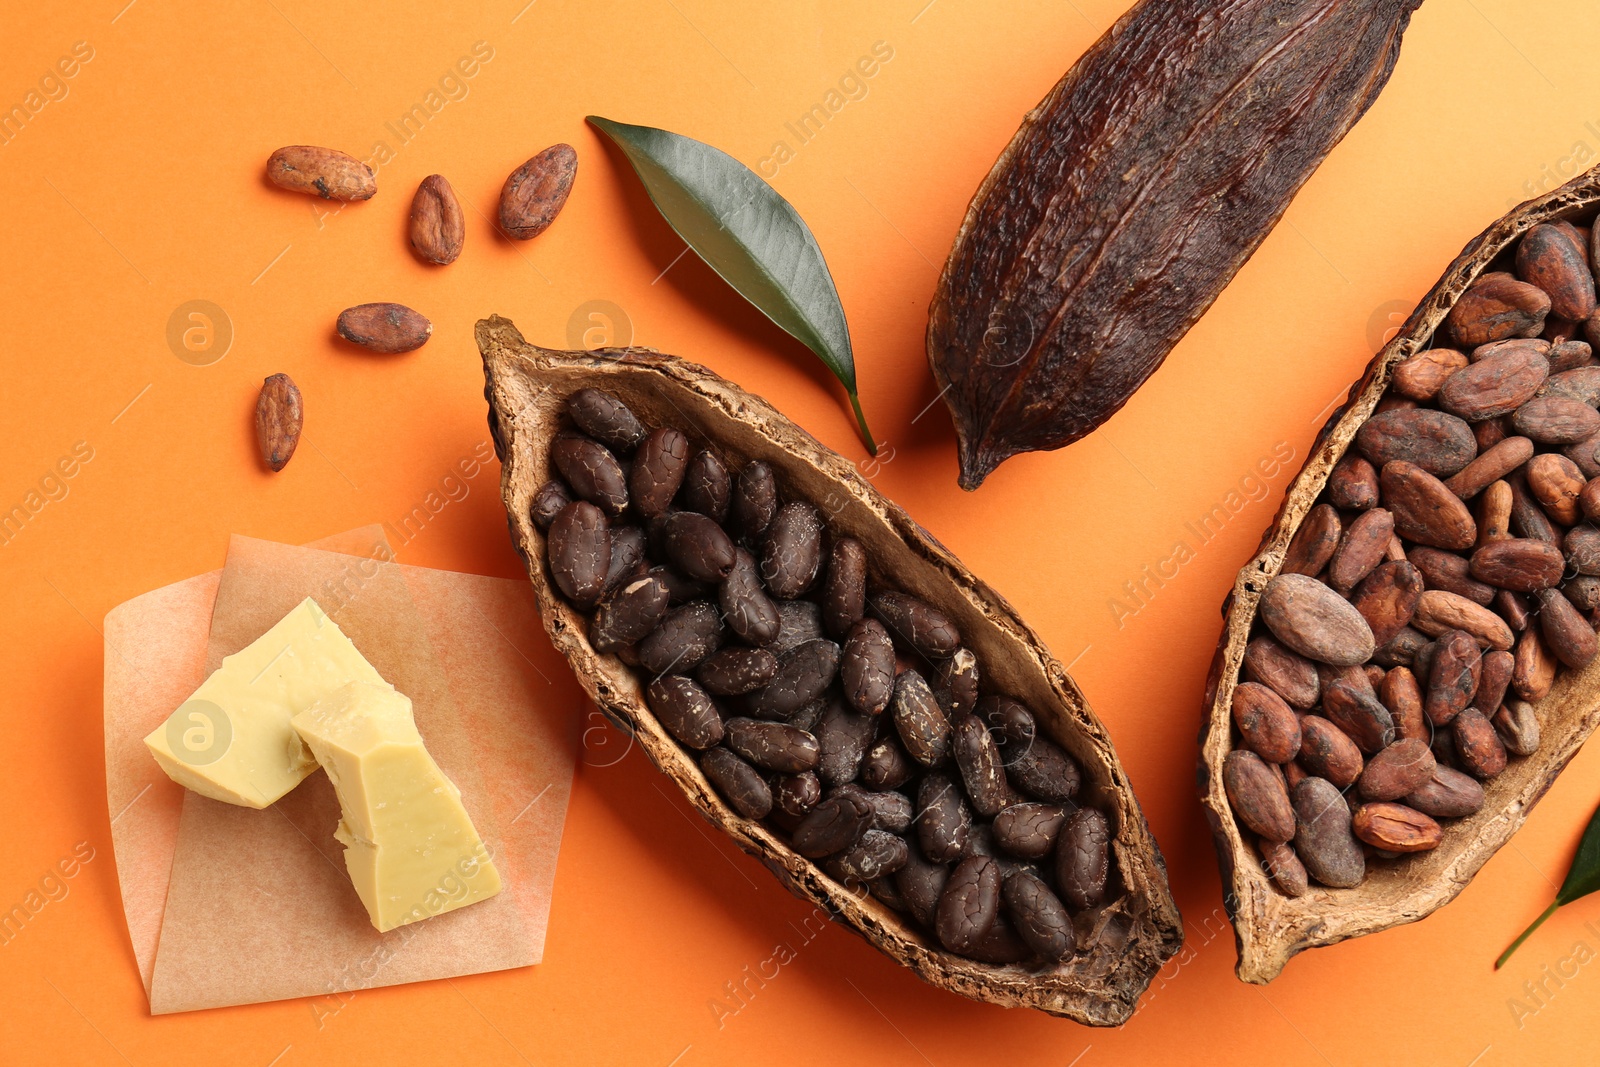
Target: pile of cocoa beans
1449, 571
846, 715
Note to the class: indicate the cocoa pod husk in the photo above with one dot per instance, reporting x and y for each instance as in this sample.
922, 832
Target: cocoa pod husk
279, 418
1035, 335
528, 387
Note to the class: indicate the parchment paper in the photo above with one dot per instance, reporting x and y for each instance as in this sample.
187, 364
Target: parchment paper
259, 906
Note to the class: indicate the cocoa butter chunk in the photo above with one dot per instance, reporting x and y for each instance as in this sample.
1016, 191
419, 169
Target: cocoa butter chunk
1323, 836
1313, 620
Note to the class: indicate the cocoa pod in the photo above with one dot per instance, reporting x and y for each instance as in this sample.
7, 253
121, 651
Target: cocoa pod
280, 415
1420, 376
1396, 828
438, 228
324, 172
1437, 441
1035, 336
386, 328
1496, 307
1387, 598
1316, 622
1424, 510
535, 192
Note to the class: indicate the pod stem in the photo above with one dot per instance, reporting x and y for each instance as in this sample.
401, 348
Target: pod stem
1551, 910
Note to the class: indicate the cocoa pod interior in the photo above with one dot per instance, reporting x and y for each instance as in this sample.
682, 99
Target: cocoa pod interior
527, 388
1271, 927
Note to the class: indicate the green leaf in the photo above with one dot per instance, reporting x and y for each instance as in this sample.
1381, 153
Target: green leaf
750, 236
1583, 878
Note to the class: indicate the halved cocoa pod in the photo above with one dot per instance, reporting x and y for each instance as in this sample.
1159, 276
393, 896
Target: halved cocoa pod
1272, 926
1140, 928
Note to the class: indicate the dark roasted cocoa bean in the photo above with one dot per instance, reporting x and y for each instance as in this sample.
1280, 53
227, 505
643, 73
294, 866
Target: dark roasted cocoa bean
1011, 718
579, 544
680, 590
1268, 726
1083, 860
1257, 796
797, 794
1323, 839
867, 667
922, 627
1387, 598
659, 465
774, 746
1038, 915
627, 556
1327, 751
969, 904
750, 612
736, 670
606, 418
754, 501
1041, 769
1436, 441
886, 765
1290, 675
943, 819
958, 677
697, 546
844, 595
1353, 483
877, 855
740, 784
706, 486
978, 759
891, 811
1315, 621
836, 823
792, 553
1028, 830
548, 500
686, 711
683, 640
591, 472
920, 721
628, 614
1361, 717
1313, 543
844, 736
1395, 828
799, 621
921, 883
803, 673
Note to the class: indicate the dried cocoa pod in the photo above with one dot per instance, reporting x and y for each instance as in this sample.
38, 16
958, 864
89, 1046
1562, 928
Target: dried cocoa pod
1388, 598
438, 227
1316, 622
1424, 509
1323, 839
1363, 546
844, 595
324, 172
1034, 334
1259, 798
1492, 464
1420, 376
1268, 726
1314, 543
1551, 258
1496, 307
1353, 485
738, 782
1286, 673
1437, 441
1397, 771
280, 415
1555, 420
535, 192
1396, 828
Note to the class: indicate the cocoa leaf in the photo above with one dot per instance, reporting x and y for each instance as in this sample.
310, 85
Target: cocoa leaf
1582, 879
749, 235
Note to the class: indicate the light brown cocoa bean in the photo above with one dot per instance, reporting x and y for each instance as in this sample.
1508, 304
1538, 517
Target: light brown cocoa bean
1424, 510
1492, 464
1327, 751
1496, 307
384, 327
1584, 592
324, 172
1453, 677
1401, 651
1528, 517
535, 192
1353, 484
1438, 611
438, 228
1257, 796
1580, 383
1582, 549
1555, 482
1535, 669
1565, 630
279, 418
1448, 795
1360, 549
1437, 441
1494, 513
1550, 257
1567, 355
1313, 543
1323, 839
1494, 678
1267, 725
1589, 499
1478, 747
1399, 770
1420, 376
1316, 622
1519, 563
1451, 573
1289, 674
1402, 695
1517, 727
1280, 863
1360, 716
1396, 828
1556, 420
1388, 597
1512, 607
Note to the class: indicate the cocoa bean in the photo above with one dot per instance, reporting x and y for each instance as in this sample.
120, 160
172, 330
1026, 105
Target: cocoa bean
1280, 863
1323, 839
1438, 611
1555, 482
1420, 376
706, 486
1478, 747
978, 759
1361, 549
1581, 384
1266, 723
740, 784
548, 500
754, 501
774, 746
1449, 794
1424, 510
969, 904
844, 594
384, 327
535, 192
697, 546
1528, 518
1453, 678
1327, 752
958, 677
1399, 770
919, 719
1396, 828
1494, 678
324, 172
943, 820
877, 855
685, 710
1582, 549
791, 555
438, 227
579, 545
1359, 715
917, 623
1550, 258
1496, 307
803, 673
628, 613
1402, 695
1387, 598
844, 735
1290, 675
658, 469
1313, 543
1535, 669
1494, 513
1315, 621
1402, 649
1450, 573
1555, 420
832, 826
1083, 861
750, 613
1517, 727
733, 671
1437, 441
684, 639
1490, 466
1353, 483
1257, 796
867, 667
1565, 630
921, 883
280, 416
797, 794
886, 765
591, 472
1041, 769
1028, 830
1519, 563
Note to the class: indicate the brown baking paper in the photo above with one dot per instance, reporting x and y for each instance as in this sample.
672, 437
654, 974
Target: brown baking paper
258, 905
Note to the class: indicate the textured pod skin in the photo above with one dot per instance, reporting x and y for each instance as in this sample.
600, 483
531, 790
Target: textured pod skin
1061, 295
1140, 929
1271, 927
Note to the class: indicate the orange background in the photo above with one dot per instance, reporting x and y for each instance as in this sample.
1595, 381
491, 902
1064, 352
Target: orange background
141, 190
